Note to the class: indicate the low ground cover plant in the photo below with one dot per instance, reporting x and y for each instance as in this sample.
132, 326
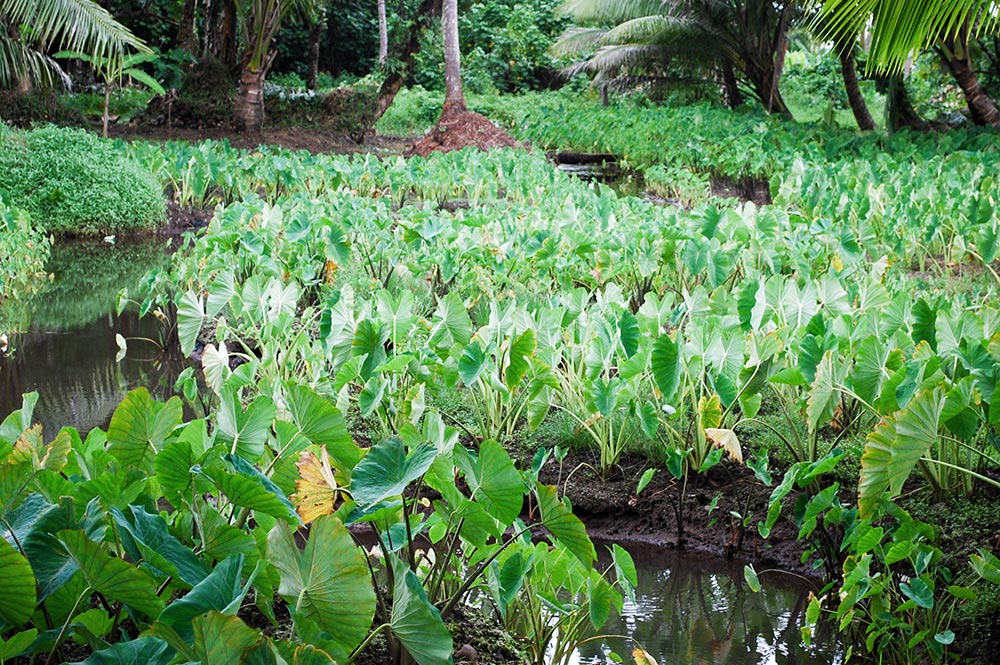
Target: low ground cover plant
72, 183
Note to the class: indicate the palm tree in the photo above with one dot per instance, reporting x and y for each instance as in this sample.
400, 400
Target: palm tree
744, 37
29, 27
454, 100
901, 28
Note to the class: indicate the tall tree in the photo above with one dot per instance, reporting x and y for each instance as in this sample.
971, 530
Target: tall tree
954, 51
72, 25
383, 37
261, 20
454, 100
409, 47
747, 38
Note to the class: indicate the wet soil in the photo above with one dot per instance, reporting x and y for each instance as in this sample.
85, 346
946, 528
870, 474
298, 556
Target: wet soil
459, 129
612, 511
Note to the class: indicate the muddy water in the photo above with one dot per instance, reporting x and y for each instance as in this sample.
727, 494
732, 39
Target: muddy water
68, 353
698, 610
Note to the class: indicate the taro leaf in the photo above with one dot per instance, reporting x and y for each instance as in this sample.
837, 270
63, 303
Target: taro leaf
190, 316
509, 579
113, 578
750, 575
140, 426
220, 291
874, 477
472, 363
316, 488
642, 657
727, 440
221, 591
386, 470
173, 471
710, 411
321, 422
222, 539
220, 639
145, 650
605, 395
918, 591
146, 537
625, 572
867, 377
215, 364
17, 644
369, 340
599, 595
17, 602
327, 582
823, 396
415, 622
521, 349
52, 566
450, 319
496, 483
664, 361
564, 525
986, 565
20, 420
923, 324
245, 486
810, 353
916, 431
244, 433
647, 476
628, 326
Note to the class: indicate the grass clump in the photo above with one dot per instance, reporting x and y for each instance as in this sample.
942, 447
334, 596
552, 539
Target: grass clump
73, 183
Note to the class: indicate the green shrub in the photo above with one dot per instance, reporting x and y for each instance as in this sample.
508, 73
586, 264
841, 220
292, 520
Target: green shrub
24, 109
74, 183
348, 109
23, 252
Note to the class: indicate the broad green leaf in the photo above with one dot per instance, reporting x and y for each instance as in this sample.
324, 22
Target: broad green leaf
874, 477
145, 650
17, 602
222, 591
916, 431
244, 433
220, 639
923, 325
919, 592
564, 525
140, 426
823, 396
415, 622
710, 412
628, 327
647, 476
146, 538
17, 644
327, 582
190, 317
387, 469
173, 471
113, 578
750, 575
471, 363
599, 597
665, 364
247, 487
605, 395
322, 423
521, 349
496, 483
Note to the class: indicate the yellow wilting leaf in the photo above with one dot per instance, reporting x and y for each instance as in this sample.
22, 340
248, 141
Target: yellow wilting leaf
837, 263
710, 410
316, 488
727, 440
642, 657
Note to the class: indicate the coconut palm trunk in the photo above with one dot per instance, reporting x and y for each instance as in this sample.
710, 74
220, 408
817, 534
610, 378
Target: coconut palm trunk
954, 52
262, 22
383, 37
854, 97
454, 100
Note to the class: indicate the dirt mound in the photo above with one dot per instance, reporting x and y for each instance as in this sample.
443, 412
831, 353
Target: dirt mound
460, 129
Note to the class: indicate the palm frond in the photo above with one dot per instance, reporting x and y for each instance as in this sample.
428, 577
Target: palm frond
575, 41
901, 28
18, 61
75, 25
613, 11
649, 29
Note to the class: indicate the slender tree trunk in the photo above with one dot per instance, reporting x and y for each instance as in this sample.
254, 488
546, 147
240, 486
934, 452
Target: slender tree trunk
854, 97
315, 37
187, 36
899, 111
454, 100
426, 13
730, 86
955, 54
107, 108
383, 37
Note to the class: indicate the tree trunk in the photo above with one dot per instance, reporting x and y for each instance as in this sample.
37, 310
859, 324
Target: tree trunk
107, 108
854, 96
730, 86
315, 37
383, 37
955, 54
454, 100
248, 113
899, 111
392, 84
187, 37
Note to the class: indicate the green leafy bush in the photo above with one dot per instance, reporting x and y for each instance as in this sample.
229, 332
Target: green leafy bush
73, 183
23, 252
